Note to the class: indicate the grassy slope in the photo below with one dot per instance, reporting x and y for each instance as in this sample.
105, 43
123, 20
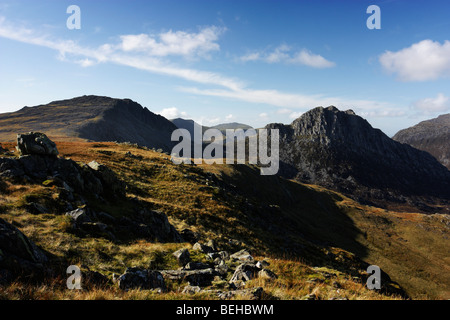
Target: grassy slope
298, 227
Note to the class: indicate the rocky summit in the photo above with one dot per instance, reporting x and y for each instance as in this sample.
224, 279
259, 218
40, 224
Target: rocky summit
342, 151
432, 136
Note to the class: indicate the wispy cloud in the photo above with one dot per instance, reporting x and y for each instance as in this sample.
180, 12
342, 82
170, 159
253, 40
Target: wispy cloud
438, 104
145, 54
422, 61
178, 43
283, 54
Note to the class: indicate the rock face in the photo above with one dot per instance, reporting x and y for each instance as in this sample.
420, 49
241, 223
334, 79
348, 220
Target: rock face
93, 118
18, 253
341, 151
432, 136
73, 184
36, 143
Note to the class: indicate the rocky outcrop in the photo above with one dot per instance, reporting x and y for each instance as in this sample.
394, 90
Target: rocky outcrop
74, 183
36, 143
18, 254
341, 151
432, 136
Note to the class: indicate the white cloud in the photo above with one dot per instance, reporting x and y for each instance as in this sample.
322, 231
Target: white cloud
295, 115
219, 85
425, 60
282, 54
172, 113
308, 58
174, 43
284, 111
440, 103
229, 117
86, 62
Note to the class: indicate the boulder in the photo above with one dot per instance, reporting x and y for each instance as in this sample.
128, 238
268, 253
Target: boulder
262, 264
18, 254
79, 215
183, 256
137, 278
242, 255
191, 289
36, 143
203, 248
267, 274
245, 272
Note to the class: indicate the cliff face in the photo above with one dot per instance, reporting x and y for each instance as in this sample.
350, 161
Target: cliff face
432, 136
341, 150
92, 118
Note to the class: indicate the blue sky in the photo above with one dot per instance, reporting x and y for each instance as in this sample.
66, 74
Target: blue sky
215, 61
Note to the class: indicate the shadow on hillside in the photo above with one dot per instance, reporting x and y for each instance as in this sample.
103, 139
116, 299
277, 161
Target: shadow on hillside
289, 218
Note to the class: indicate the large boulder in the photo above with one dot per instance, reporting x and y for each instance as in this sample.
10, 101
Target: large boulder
36, 143
18, 254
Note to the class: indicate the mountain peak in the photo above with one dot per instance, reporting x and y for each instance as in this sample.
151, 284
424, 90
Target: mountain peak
91, 117
341, 150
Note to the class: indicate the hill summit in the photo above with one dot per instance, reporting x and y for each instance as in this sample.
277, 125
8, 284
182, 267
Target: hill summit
432, 136
93, 118
340, 150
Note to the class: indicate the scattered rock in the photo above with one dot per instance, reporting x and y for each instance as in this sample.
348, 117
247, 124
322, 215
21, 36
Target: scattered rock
79, 215
262, 264
200, 278
137, 278
183, 256
191, 289
244, 294
242, 255
244, 272
203, 248
267, 274
196, 266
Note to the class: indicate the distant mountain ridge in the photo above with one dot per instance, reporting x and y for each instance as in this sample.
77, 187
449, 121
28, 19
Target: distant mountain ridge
340, 150
92, 118
431, 135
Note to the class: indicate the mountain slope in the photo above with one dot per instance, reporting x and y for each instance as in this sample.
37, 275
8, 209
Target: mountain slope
342, 151
432, 136
189, 125
316, 240
91, 118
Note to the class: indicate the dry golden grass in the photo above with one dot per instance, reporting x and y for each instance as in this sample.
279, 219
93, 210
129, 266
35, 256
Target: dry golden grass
401, 243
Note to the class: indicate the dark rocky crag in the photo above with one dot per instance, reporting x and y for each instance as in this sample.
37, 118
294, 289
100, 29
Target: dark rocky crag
341, 151
432, 136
